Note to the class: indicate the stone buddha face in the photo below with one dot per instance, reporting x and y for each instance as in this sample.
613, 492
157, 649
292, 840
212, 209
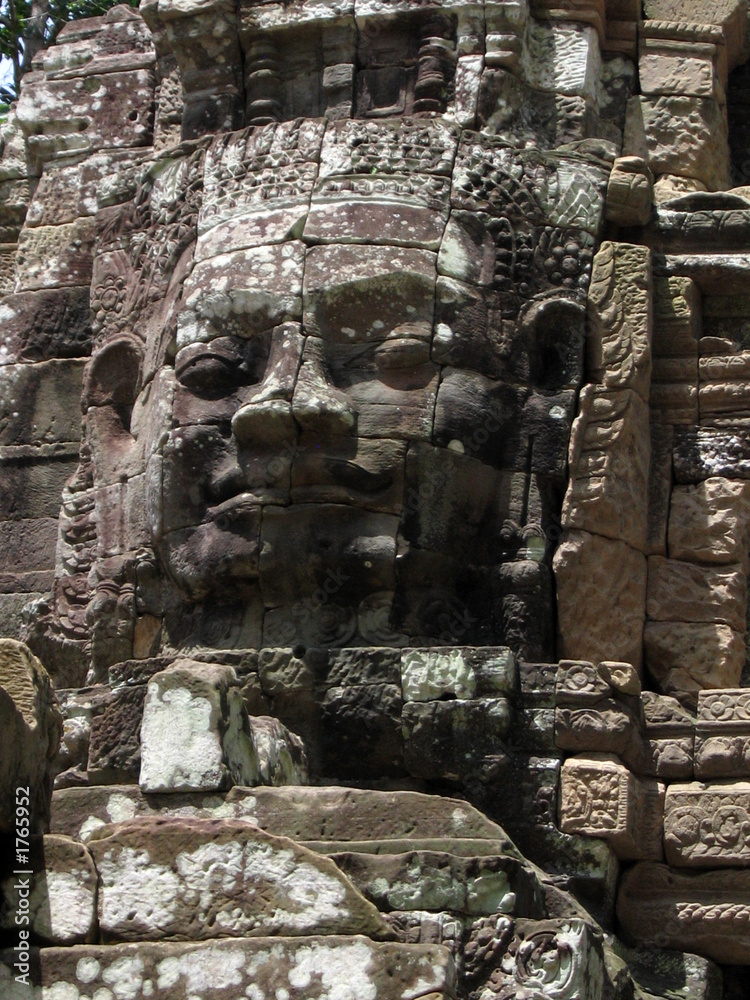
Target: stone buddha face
353, 411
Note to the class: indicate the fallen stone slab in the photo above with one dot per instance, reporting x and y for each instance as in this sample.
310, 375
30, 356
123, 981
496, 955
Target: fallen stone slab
193, 879
300, 812
304, 968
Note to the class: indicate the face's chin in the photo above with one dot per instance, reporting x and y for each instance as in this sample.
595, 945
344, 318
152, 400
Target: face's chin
209, 560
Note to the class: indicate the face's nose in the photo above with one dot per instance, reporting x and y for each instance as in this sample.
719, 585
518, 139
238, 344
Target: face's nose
318, 406
265, 416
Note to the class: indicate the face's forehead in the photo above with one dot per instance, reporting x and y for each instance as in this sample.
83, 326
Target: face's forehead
347, 226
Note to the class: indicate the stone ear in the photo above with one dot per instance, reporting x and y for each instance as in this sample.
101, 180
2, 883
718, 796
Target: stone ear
555, 330
113, 376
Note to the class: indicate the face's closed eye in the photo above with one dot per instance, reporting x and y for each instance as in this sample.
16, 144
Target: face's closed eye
216, 368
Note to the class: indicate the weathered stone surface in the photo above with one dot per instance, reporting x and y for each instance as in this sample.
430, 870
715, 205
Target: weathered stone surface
659, 973
198, 879
306, 968
551, 957
660, 907
61, 895
444, 739
600, 797
670, 731
686, 657
698, 149
689, 592
32, 727
708, 522
40, 402
609, 466
601, 585
629, 192
114, 753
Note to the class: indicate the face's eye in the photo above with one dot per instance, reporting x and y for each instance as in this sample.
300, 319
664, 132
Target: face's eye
216, 368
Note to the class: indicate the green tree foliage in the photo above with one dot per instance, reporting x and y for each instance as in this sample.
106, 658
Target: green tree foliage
26, 26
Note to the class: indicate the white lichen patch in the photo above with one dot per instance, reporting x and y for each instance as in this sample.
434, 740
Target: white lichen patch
63, 905
135, 892
426, 676
88, 969
120, 808
198, 971
125, 976
180, 745
343, 971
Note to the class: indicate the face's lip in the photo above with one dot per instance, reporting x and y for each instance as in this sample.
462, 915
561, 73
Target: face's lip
357, 478
242, 508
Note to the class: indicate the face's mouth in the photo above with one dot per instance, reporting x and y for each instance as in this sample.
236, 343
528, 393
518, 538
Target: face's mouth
232, 514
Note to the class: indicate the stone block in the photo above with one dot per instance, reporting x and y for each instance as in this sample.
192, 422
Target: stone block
705, 452
669, 973
435, 881
606, 727
704, 913
670, 735
620, 317
360, 731
696, 148
41, 403
677, 317
62, 893
707, 825
630, 191
448, 739
674, 403
42, 325
689, 592
677, 66
114, 743
55, 256
28, 545
196, 879
710, 522
601, 590
600, 797
722, 735
727, 14
549, 957
562, 58
428, 675
195, 731
112, 110
609, 467
686, 657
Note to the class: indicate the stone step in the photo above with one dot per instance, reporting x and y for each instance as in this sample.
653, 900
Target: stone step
458, 847
301, 968
302, 813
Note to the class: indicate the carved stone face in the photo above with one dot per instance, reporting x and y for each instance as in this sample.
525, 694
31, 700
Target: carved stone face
356, 431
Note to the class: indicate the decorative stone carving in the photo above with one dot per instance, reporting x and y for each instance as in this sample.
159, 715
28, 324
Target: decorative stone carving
722, 735
661, 907
601, 798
